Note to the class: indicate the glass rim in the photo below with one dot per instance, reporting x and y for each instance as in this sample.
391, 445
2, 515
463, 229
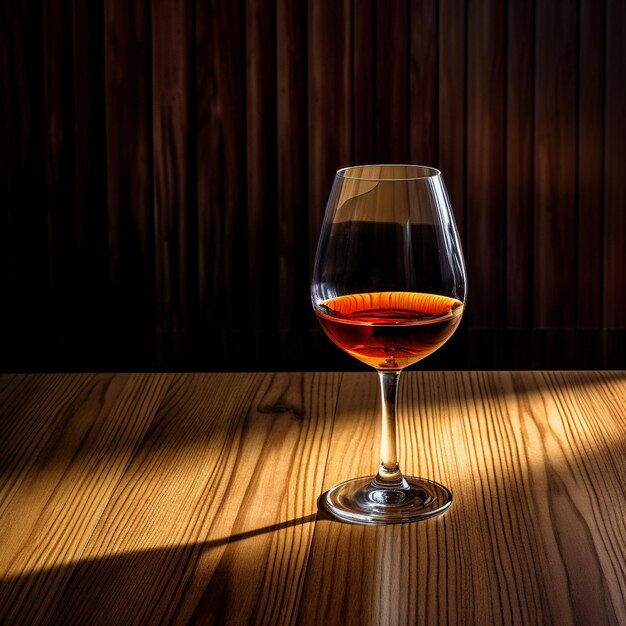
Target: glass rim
432, 172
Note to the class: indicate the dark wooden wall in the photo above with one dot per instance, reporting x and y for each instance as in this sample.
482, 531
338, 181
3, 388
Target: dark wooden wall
165, 166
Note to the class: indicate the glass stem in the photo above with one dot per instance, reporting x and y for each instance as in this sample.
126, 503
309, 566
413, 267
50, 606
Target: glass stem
389, 475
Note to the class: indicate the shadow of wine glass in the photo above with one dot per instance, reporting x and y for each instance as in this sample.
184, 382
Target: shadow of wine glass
190, 582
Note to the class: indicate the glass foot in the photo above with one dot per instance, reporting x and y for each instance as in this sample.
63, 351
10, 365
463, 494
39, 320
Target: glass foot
361, 502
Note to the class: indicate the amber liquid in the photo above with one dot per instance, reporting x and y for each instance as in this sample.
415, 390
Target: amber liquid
392, 329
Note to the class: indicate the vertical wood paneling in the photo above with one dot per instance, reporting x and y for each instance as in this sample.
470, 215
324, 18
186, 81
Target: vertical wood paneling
129, 179
555, 164
519, 164
164, 169
222, 179
174, 207
486, 160
292, 186
614, 183
330, 103
62, 236
392, 65
590, 162
423, 82
452, 101
90, 179
262, 282
27, 328
363, 81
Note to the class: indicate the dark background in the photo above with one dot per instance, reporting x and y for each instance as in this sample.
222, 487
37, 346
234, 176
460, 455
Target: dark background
165, 166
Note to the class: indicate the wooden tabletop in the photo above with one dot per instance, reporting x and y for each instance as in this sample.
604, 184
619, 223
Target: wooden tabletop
192, 498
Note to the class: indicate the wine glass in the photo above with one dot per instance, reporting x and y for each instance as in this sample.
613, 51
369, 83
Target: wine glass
388, 288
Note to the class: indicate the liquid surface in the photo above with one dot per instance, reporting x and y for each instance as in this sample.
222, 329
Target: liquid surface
392, 329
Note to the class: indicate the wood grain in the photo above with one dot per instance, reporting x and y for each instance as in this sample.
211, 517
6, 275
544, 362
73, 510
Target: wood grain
191, 498
64, 450
525, 541
217, 506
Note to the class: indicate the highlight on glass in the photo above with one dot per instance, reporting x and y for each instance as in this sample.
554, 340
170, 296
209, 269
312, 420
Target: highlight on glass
389, 288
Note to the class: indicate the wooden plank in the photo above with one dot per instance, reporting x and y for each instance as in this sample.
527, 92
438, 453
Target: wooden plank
423, 82
535, 533
175, 212
192, 498
452, 102
591, 81
60, 192
222, 180
330, 104
486, 162
64, 452
392, 63
519, 252
215, 515
261, 111
363, 82
614, 188
29, 397
25, 325
129, 182
292, 186
89, 160
555, 165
